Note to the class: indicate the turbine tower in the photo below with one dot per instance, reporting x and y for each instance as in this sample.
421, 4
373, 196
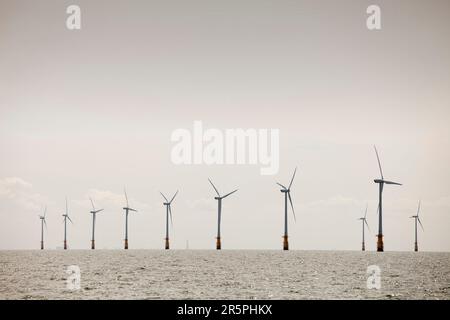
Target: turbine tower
127, 210
417, 219
287, 195
381, 182
43, 222
66, 217
94, 213
364, 221
219, 199
168, 213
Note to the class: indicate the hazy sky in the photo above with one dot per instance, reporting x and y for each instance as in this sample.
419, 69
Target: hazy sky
85, 113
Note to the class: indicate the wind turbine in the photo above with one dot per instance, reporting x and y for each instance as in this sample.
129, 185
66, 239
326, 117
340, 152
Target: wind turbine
219, 212
381, 182
287, 194
417, 219
364, 221
127, 209
94, 213
168, 212
66, 217
43, 222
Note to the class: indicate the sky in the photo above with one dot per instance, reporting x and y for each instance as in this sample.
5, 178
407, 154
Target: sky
85, 113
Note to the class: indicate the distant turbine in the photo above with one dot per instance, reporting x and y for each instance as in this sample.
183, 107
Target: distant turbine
94, 213
417, 219
381, 182
287, 194
66, 217
168, 212
127, 209
43, 222
219, 212
364, 221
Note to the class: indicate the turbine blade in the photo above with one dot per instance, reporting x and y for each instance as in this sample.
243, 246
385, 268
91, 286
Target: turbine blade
130, 209
292, 180
45, 224
99, 210
229, 194
92, 202
170, 214
391, 182
420, 224
365, 221
67, 207
365, 214
126, 196
214, 187
281, 186
45, 211
379, 163
418, 209
70, 219
292, 206
164, 196
173, 197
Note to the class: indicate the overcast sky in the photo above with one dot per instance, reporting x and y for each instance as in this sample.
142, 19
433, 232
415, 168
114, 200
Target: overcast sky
85, 113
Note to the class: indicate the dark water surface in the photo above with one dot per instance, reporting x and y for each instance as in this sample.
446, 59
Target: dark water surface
192, 274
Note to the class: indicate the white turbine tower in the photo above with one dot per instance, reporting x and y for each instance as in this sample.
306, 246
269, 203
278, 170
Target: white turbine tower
381, 182
127, 210
43, 222
168, 213
287, 195
219, 199
66, 217
417, 219
94, 213
364, 223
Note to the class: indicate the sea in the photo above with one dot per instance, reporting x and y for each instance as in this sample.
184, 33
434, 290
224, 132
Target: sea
226, 274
